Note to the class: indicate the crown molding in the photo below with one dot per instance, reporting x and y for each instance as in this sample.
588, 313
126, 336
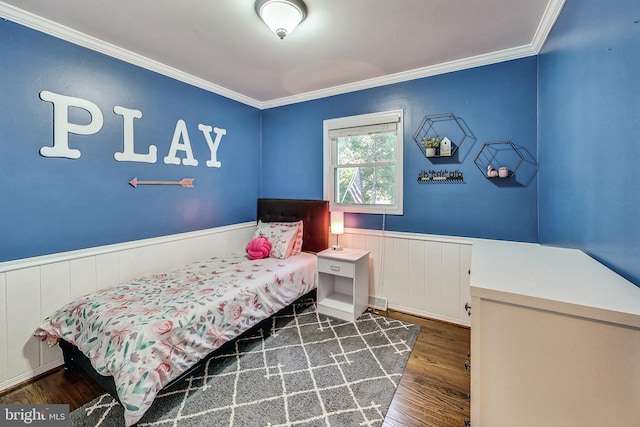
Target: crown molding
433, 70
549, 18
550, 15
54, 29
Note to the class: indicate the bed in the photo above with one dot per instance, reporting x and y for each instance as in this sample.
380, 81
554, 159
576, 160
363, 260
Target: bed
140, 336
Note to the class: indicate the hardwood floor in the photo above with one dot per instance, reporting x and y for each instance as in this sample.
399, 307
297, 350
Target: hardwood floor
73, 387
432, 393
435, 385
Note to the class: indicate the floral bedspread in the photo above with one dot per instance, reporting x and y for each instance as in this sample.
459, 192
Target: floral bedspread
148, 331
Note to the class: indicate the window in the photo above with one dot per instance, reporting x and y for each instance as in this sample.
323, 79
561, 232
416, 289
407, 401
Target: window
363, 159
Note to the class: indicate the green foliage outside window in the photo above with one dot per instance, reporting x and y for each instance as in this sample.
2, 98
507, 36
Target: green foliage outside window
374, 155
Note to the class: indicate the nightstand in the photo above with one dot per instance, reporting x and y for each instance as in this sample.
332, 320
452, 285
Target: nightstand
343, 283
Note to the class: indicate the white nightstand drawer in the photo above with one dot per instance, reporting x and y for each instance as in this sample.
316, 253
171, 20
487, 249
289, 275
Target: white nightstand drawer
335, 267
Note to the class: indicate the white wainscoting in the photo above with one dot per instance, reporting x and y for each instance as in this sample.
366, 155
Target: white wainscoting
32, 289
421, 274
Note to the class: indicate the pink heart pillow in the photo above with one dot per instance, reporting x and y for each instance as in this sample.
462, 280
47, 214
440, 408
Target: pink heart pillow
258, 247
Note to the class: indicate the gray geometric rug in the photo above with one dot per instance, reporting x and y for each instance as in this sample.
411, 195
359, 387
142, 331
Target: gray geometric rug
298, 368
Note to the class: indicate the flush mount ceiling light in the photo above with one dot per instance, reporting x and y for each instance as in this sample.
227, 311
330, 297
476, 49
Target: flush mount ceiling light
281, 16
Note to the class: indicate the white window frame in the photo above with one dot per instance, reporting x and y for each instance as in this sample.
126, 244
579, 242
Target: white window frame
329, 155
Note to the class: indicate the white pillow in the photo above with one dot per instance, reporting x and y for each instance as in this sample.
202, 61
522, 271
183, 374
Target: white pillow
282, 237
297, 246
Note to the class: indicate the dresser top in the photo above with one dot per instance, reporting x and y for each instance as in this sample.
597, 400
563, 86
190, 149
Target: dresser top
550, 278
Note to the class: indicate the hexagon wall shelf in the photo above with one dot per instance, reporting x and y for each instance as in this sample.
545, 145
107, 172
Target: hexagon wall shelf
499, 154
442, 125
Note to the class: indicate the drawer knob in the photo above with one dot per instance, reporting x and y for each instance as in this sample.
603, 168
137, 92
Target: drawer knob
335, 268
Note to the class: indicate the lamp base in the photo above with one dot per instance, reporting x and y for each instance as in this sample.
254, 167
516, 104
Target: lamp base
336, 247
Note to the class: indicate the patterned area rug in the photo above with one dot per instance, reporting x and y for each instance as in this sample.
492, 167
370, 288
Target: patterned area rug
298, 368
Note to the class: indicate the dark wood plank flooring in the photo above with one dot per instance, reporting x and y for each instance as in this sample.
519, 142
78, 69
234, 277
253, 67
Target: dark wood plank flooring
435, 385
432, 393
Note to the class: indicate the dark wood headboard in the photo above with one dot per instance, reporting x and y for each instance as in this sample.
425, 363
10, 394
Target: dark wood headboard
313, 213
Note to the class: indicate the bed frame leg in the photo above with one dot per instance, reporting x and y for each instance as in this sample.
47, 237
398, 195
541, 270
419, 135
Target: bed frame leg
69, 361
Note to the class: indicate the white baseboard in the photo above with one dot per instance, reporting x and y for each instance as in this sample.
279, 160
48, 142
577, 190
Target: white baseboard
45, 283
30, 374
378, 303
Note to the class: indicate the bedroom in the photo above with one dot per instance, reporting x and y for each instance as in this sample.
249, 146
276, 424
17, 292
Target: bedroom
582, 83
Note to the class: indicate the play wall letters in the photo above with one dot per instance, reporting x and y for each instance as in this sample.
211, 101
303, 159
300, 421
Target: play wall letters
180, 141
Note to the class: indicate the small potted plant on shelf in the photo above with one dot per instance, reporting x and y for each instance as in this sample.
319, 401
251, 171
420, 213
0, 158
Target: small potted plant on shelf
431, 143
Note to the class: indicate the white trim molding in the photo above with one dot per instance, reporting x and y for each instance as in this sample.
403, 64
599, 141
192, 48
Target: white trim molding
550, 15
549, 18
32, 288
418, 73
60, 31
422, 274
118, 247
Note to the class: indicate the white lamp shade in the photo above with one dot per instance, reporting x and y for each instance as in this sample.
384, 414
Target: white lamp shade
337, 222
281, 16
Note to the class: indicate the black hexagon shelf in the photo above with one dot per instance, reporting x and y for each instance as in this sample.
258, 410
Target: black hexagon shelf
499, 154
440, 126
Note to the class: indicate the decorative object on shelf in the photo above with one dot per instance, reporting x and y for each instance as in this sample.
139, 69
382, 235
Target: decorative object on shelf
184, 182
281, 16
337, 227
445, 147
431, 144
502, 153
441, 177
449, 131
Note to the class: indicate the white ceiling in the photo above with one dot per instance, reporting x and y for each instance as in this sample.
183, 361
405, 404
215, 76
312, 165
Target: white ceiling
343, 45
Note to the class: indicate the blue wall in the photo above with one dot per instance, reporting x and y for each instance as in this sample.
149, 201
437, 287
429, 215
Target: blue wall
52, 205
574, 112
589, 133
496, 102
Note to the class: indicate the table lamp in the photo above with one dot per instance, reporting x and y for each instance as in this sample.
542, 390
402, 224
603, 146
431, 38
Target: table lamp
337, 227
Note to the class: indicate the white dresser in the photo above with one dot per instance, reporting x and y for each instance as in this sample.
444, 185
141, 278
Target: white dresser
555, 339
